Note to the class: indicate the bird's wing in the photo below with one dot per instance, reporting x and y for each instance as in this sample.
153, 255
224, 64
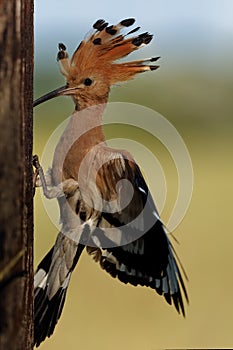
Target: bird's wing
133, 243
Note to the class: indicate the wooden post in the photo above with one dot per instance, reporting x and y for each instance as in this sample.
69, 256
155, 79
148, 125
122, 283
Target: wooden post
16, 209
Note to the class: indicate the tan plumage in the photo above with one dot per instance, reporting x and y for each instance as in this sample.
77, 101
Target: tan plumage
98, 54
104, 201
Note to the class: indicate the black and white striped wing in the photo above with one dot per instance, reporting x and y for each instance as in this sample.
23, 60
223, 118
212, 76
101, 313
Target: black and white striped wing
145, 256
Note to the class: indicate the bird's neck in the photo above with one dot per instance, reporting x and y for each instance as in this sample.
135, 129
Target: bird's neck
83, 132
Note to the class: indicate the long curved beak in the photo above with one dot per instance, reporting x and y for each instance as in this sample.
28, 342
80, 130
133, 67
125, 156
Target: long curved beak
61, 91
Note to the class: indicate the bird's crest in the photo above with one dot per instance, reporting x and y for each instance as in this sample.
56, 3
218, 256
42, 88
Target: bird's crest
101, 50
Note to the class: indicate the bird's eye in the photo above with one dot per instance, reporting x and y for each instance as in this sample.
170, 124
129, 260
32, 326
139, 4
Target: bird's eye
87, 82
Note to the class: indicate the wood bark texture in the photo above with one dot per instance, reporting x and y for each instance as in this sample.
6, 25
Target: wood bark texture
16, 205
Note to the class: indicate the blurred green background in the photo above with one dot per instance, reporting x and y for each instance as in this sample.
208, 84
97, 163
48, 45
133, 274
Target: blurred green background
193, 89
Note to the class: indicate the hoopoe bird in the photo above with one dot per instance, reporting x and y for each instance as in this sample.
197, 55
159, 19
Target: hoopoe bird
104, 201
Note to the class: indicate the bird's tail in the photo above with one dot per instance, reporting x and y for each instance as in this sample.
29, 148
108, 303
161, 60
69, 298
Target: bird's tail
48, 305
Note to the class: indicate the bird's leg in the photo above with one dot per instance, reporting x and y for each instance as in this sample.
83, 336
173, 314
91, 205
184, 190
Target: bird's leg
35, 179
66, 188
40, 180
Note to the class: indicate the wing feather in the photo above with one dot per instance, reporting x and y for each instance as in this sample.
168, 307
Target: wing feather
149, 259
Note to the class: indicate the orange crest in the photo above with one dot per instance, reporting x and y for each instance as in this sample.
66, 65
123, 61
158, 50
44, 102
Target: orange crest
100, 51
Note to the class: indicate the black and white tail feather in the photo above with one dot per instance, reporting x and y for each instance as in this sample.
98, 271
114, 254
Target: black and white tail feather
47, 307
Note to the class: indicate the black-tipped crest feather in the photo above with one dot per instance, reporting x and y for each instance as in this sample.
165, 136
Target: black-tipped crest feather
107, 45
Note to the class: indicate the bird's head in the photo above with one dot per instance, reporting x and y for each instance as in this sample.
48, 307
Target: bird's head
94, 66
